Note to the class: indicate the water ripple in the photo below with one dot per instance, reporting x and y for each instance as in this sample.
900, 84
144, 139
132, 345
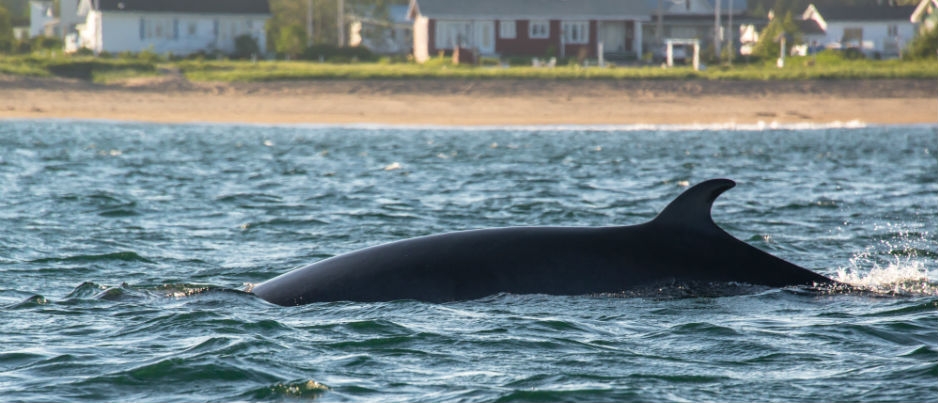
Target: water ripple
125, 247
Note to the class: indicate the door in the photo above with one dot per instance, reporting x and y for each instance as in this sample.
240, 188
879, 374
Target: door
485, 36
614, 37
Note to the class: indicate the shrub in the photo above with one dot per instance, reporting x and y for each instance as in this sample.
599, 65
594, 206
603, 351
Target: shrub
85, 68
291, 42
924, 46
47, 43
22, 46
333, 54
245, 47
148, 56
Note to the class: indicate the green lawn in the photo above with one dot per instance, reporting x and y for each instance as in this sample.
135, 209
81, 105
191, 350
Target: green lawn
796, 68
81, 67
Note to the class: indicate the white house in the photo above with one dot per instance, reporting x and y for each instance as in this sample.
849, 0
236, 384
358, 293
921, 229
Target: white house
393, 35
925, 15
875, 30
68, 16
178, 26
42, 21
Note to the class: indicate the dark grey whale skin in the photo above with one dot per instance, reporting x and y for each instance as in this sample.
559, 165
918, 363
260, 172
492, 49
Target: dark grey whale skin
681, 244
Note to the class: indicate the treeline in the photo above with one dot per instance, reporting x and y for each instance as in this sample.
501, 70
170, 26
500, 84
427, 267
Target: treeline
287, 29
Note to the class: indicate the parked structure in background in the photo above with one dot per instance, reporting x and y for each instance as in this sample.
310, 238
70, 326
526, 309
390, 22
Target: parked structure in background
876, 31
170, 26
544, 28
391, 35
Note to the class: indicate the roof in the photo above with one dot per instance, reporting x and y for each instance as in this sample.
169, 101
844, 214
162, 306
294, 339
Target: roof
809, 27
865, 13
397, 14
185, 6
531, 9
923, 9
738, 6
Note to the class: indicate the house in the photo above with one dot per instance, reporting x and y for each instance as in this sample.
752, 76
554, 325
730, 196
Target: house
695, 19
540, 28
69, 18
177, 26
42, 21
925, 16
877, 31
393, 34
813, 37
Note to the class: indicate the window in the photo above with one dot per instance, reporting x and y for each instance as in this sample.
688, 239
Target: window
852, 37
451, 34
193, 28
893, 31
576, 32
539, 29
506, 29
154, 28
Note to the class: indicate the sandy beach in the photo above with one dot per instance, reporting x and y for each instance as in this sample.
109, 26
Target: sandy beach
476, 102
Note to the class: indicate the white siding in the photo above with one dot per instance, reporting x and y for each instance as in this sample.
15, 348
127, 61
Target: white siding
876, 36
421, 39
40, 14
179, 34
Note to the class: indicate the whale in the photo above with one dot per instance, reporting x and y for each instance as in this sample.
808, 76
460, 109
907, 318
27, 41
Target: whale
681, 244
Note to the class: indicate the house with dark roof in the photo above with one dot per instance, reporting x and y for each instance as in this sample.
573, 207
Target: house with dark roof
877, 31
537, 28
710, 21
177, 26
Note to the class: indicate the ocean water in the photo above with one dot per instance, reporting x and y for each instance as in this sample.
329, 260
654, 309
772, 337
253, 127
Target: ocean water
125, 248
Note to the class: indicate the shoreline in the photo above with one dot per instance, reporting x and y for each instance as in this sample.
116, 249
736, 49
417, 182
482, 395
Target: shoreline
494, 102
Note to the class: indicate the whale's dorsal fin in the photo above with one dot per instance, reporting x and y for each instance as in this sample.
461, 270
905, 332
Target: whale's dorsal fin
692, 208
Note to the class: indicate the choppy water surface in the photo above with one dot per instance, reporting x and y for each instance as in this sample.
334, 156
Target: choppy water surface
123, 247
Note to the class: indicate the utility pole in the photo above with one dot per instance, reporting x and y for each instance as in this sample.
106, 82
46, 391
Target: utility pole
309, 22
340, 22
731, 42
717, 29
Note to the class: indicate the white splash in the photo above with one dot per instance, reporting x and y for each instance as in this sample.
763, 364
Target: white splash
902, 276
894, 277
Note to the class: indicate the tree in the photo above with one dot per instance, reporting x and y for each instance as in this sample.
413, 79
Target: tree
924, 46
6, 30
768, 47
285, 13
291, 41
